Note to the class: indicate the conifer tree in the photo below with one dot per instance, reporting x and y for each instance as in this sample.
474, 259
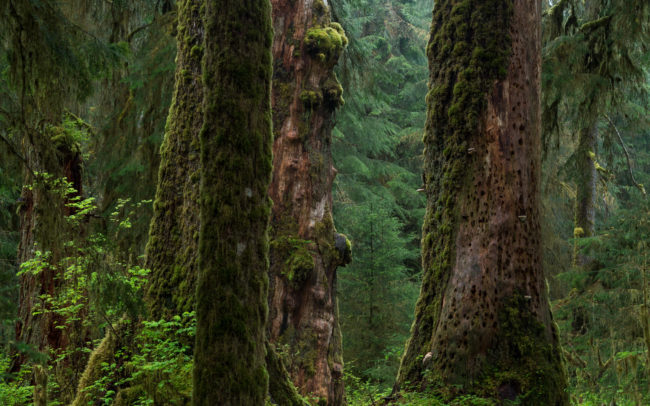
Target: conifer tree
305, 249
593, 56
235, 145
39, 39
482, 323
172, 249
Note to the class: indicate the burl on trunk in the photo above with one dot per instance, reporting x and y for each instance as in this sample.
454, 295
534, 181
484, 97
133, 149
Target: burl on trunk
305, 249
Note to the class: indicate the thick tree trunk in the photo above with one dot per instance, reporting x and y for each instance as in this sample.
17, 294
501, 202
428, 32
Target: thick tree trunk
172, 250
304, 254
236, 144
52, 155
483, 323
44, 228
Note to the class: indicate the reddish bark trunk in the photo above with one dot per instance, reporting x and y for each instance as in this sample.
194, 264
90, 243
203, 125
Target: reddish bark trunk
43, 228
483, 323
305, 93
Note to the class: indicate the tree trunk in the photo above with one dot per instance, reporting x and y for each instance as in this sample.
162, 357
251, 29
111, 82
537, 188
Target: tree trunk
236, 143
173, 245
172, 250
483, 323
586, 180
305, 250
52, 155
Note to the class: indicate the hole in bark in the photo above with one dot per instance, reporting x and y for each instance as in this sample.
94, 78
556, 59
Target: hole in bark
509, 390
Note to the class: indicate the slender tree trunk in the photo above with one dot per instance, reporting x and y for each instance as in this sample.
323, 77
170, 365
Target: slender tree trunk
304, 254
483, 323
586, 180
236, 143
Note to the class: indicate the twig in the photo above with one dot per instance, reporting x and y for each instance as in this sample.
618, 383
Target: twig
13, 151
166, 16
627, 156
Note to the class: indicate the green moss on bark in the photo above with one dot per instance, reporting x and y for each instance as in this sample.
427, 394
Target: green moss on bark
171, 252
326, 43
281, 389
236, 140
311, 98
509, 352
296, 257
468, 51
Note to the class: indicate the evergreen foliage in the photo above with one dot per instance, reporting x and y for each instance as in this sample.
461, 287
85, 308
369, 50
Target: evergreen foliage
377, 149
91, 82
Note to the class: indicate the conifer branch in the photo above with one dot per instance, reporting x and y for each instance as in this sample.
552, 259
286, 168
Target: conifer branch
13, 150
627, 156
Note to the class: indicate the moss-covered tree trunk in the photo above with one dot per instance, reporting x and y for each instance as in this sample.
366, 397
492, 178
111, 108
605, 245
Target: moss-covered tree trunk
483, 324
236, 142
304, 255
53, 163
172, 250
586, 180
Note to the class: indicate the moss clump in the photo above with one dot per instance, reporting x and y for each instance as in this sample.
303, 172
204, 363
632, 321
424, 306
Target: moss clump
326, 43
320, 8
299, 262
299, 267
67, 138
528, 368
333, 92
578, 232
311, 98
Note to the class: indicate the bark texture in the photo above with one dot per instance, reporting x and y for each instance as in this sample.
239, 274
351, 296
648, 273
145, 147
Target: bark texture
483, 323
304, 253
236, 147
172, 250
586, 179
33, 33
